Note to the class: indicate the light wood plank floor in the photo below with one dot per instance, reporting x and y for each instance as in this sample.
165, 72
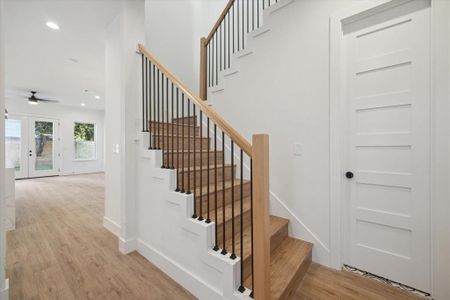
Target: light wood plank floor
60, 250
321, 283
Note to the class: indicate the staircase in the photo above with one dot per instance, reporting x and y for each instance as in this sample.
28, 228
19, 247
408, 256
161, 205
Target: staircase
225, 176
290, 257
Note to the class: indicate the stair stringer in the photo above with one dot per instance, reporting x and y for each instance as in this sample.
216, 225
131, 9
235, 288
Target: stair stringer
223, 273
247, 52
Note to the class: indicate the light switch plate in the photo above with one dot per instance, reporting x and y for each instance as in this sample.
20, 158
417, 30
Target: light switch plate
297, 149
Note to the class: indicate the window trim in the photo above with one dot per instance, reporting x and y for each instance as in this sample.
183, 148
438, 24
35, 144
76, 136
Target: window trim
95, 158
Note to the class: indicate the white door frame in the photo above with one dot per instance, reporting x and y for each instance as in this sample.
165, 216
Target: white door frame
440, 148
26, 125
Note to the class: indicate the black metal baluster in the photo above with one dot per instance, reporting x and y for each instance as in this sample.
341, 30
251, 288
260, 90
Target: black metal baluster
149, 103
216, 247
144, 88
182, 143
154, 108
243, 25
229, 56
146, 102
233, 35
159, 106
195, 179
253, 14
224, 249
220, 47
162, 137
208, 180
241, 223
167, 164
209, 65
238, 30
201, 163
189, 146
248, 16
173, 132
257, 13
217, 59
233, 243
194, 152
178, 139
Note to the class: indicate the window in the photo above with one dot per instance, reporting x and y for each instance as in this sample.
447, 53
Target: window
13, 137
84, 141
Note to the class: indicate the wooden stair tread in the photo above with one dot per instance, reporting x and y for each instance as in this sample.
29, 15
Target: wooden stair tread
228, 185
180, 136
174, 124
228, 212
276, 225
191, 152
186, 117
288, 263
203, 167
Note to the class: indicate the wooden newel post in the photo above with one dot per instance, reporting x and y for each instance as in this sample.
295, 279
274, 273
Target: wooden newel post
203, 69
261, 225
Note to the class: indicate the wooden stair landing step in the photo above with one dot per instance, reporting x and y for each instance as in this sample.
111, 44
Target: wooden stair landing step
289, 263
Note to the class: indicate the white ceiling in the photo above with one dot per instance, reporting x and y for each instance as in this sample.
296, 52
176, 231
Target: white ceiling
40, 59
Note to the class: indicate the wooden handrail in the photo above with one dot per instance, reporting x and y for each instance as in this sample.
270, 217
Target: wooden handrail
219, 21
213, 115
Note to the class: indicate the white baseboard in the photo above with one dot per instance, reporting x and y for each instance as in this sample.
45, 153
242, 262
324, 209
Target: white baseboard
113, 227
189, 281
4, 294
127, 246
68, 173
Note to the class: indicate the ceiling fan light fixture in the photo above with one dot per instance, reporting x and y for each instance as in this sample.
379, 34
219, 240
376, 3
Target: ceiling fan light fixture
31, 101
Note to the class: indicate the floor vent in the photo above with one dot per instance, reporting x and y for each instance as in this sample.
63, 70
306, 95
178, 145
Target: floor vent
386, 281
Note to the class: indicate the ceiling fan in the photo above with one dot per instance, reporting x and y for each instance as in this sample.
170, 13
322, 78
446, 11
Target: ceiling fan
34, 100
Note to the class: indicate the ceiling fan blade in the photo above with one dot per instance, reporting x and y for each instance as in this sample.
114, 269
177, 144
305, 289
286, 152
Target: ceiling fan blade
47, 100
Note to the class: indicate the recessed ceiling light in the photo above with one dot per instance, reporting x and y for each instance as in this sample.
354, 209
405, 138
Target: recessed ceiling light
97, 97
52, 25
82, 104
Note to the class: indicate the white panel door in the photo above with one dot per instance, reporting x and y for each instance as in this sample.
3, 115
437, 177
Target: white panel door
388, 94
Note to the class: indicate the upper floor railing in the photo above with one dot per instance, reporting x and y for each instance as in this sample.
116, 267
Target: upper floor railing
228, 35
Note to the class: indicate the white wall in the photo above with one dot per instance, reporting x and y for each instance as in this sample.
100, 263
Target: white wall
173, 32
291, 62
3, 287
113, 125
123, 82
67, 117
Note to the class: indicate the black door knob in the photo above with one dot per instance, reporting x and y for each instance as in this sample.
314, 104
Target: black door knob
349, 175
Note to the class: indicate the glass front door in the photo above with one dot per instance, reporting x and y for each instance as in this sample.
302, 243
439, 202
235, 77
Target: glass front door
42, 147
32, 146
